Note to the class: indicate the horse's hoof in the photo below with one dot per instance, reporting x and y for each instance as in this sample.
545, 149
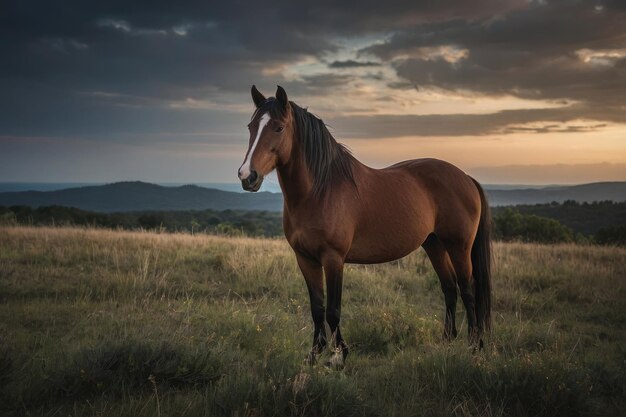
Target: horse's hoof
311, 358
477, 347
337, 359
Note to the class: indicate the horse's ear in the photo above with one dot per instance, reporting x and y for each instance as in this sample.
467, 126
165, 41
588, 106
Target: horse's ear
257, 97
281, 96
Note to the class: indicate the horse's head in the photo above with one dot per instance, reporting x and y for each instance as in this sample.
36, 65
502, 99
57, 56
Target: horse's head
271, 135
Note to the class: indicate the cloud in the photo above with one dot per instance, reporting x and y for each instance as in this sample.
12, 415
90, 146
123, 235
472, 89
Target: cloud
158, 48
503, 122
147, 75
351, 63
602, 57
118, 68
543, 127
548, 50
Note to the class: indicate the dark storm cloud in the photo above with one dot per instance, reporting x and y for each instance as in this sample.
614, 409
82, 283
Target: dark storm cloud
535, 52
351, 63
113, 67
86, 68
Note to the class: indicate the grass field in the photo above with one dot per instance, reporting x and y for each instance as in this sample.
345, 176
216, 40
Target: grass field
110, 323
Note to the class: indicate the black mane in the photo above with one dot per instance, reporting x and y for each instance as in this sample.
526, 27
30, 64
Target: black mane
328, 161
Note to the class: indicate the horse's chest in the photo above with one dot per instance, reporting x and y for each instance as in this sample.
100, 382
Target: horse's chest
304, 239
311, 236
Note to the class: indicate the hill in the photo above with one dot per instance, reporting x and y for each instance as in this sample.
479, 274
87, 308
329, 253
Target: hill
98, 322
137, 196
597, 191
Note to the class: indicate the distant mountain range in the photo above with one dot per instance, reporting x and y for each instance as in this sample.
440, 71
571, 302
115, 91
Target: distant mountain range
138, 196
597, 191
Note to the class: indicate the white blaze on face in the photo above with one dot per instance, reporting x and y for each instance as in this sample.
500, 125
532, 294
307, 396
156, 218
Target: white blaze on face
244, 171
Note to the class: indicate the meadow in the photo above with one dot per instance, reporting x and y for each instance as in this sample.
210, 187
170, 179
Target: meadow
121, 323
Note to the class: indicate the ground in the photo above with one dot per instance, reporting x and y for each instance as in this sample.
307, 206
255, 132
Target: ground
98, 322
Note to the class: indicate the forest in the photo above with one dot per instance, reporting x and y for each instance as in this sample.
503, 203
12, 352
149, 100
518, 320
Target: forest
569, 222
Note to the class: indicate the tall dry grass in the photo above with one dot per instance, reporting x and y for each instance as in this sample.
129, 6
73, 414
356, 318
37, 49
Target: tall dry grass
135, 323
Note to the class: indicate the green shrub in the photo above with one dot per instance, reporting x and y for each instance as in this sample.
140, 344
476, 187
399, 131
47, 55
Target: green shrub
615, 235
513, 225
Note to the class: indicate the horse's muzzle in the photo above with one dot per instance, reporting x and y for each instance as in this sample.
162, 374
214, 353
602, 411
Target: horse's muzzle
253, 182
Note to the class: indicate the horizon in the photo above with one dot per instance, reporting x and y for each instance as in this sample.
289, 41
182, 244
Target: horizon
270, 186
512, 92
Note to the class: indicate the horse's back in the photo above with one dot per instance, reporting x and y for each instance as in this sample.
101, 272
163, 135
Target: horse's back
453, 194
442, 179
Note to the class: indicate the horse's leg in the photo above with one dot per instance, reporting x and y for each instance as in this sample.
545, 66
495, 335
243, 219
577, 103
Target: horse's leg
313, 275
447, 277
460, 255
333, 269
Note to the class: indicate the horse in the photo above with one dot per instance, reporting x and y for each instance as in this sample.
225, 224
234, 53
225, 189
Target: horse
337, 210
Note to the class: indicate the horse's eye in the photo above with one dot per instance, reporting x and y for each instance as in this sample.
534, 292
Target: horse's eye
279, 129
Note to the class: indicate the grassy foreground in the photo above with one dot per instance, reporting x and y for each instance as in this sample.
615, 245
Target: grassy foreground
111, 323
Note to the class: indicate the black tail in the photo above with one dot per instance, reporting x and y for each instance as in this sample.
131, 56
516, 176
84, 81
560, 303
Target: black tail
481, 264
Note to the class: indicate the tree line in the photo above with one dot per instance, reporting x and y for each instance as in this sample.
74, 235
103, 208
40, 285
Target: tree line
585, 218
509, 223
227, 222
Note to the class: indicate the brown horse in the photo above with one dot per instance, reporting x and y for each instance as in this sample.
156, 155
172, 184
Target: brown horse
338, 210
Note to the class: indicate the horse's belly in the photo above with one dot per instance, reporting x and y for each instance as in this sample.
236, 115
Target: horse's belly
357, 256
384, 245
392, 225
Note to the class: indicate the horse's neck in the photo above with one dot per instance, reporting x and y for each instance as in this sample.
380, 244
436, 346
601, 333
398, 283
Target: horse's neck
295, 180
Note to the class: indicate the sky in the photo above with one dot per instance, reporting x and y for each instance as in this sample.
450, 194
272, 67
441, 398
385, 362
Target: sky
511, 91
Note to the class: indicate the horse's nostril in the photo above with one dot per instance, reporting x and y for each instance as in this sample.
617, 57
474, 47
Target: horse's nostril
253, 177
